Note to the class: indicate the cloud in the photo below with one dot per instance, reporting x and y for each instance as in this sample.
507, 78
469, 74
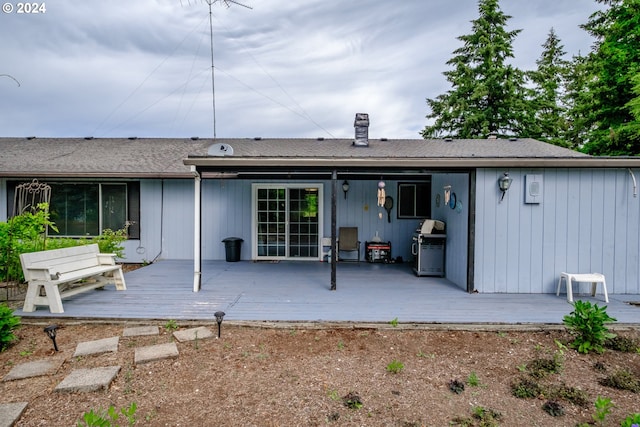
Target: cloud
282, 69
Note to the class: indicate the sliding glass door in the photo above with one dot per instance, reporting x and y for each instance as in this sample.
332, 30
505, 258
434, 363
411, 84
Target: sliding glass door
287, 221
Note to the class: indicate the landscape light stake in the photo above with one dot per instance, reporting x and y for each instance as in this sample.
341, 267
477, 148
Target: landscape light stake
51, 332
219, 316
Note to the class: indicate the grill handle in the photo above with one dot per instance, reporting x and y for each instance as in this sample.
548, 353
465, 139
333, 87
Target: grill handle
414, 250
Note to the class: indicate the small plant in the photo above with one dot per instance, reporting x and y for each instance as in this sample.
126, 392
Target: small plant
553, 408
540, 368
473, 380
603, 408
526, 389
425, 355
394, 322
632, 420
340, 345
352, 401
333, 394
587, 323
8, 324
108, 418
456, 386
622, 380
171, 325
487, 417
395, 366
623, 344
570, 394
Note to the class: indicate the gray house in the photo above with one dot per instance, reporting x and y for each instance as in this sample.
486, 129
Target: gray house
286, 198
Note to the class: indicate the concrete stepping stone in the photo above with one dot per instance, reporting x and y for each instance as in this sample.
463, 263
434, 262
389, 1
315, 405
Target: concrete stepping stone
85, 380
192, 334
10, 412
34, 369
104, 345
138, 331
155, 352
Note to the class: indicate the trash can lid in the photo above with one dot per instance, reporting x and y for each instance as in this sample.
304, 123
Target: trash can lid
232, 239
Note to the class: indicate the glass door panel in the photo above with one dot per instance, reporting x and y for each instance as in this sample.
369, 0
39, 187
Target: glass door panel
287, 222
272, 222
303, 222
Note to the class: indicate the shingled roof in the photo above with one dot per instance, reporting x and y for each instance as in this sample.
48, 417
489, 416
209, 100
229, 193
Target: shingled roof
165, 157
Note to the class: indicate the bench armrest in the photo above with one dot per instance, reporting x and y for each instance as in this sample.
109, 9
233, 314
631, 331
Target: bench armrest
41, 273
106, 259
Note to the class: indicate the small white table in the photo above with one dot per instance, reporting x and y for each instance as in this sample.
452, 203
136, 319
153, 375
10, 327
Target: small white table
594, 278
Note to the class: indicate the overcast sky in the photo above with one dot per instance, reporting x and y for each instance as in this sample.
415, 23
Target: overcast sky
286, 68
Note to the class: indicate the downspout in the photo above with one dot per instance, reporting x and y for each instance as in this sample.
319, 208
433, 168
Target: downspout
197, 256
334, 246
635, 184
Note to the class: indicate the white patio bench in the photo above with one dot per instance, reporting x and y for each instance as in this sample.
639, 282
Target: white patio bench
76, 269
594, 278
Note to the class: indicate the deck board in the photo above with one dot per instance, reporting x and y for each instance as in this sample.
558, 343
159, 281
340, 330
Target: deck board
299, 292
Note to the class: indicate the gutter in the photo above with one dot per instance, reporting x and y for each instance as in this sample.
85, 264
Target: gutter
437, 163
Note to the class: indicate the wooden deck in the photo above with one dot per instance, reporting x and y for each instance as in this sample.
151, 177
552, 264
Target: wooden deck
299, 292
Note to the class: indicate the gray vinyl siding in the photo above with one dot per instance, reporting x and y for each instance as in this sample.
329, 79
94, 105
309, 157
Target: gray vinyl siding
3, 200
457, 224
588, 221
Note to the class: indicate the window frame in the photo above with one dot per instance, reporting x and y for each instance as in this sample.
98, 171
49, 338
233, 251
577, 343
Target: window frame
132, 209
413, 187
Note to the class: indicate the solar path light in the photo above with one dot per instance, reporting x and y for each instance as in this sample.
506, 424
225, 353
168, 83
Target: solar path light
219, 316
51, 331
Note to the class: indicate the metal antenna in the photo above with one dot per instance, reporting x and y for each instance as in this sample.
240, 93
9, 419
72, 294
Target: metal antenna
227, 3
15, 80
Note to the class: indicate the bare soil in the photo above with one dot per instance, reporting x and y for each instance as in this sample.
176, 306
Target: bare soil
318, 375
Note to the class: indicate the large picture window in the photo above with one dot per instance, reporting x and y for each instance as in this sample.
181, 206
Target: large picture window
80, 209
414, 199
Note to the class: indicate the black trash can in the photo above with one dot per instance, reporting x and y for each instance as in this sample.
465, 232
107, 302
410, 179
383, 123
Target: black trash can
232, 246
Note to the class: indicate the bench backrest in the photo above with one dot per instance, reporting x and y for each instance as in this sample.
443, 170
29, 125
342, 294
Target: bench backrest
60, 260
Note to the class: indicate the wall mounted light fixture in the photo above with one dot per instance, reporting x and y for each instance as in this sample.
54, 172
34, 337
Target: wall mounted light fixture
345, 188
504, 182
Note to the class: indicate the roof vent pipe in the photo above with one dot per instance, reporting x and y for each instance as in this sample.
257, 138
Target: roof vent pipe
361, 124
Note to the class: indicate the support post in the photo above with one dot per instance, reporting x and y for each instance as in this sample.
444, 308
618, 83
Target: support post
334, 246
197, 232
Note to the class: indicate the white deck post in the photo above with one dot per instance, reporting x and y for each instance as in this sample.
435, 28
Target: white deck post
197, 256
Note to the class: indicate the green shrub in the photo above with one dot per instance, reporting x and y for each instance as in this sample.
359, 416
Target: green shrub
27, 233
108, 418
8, 324
20, 234
631, 420
587, 323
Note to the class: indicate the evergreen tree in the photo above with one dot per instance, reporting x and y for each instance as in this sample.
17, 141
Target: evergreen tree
579, 100
614, 62
488, 94
548, 108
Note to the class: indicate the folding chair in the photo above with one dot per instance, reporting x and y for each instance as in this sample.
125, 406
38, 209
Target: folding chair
348, 242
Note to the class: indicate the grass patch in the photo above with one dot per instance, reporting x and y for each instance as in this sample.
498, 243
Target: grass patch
622, 380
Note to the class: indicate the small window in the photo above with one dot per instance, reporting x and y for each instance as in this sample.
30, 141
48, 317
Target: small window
414, 199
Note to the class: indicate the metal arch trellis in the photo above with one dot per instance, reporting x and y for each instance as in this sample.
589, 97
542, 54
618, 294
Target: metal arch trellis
28, 197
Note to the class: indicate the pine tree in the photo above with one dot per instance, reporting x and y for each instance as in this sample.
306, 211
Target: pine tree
487, 95
614, 62
547, 101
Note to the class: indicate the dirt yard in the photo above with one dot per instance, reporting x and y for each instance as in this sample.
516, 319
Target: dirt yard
315, 375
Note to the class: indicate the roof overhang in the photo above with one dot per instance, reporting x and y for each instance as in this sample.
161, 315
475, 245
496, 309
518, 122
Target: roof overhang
264, 163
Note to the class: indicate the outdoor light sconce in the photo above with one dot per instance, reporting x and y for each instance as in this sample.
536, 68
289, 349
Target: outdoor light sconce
51, 332
504, 182
345, 188
219, 316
